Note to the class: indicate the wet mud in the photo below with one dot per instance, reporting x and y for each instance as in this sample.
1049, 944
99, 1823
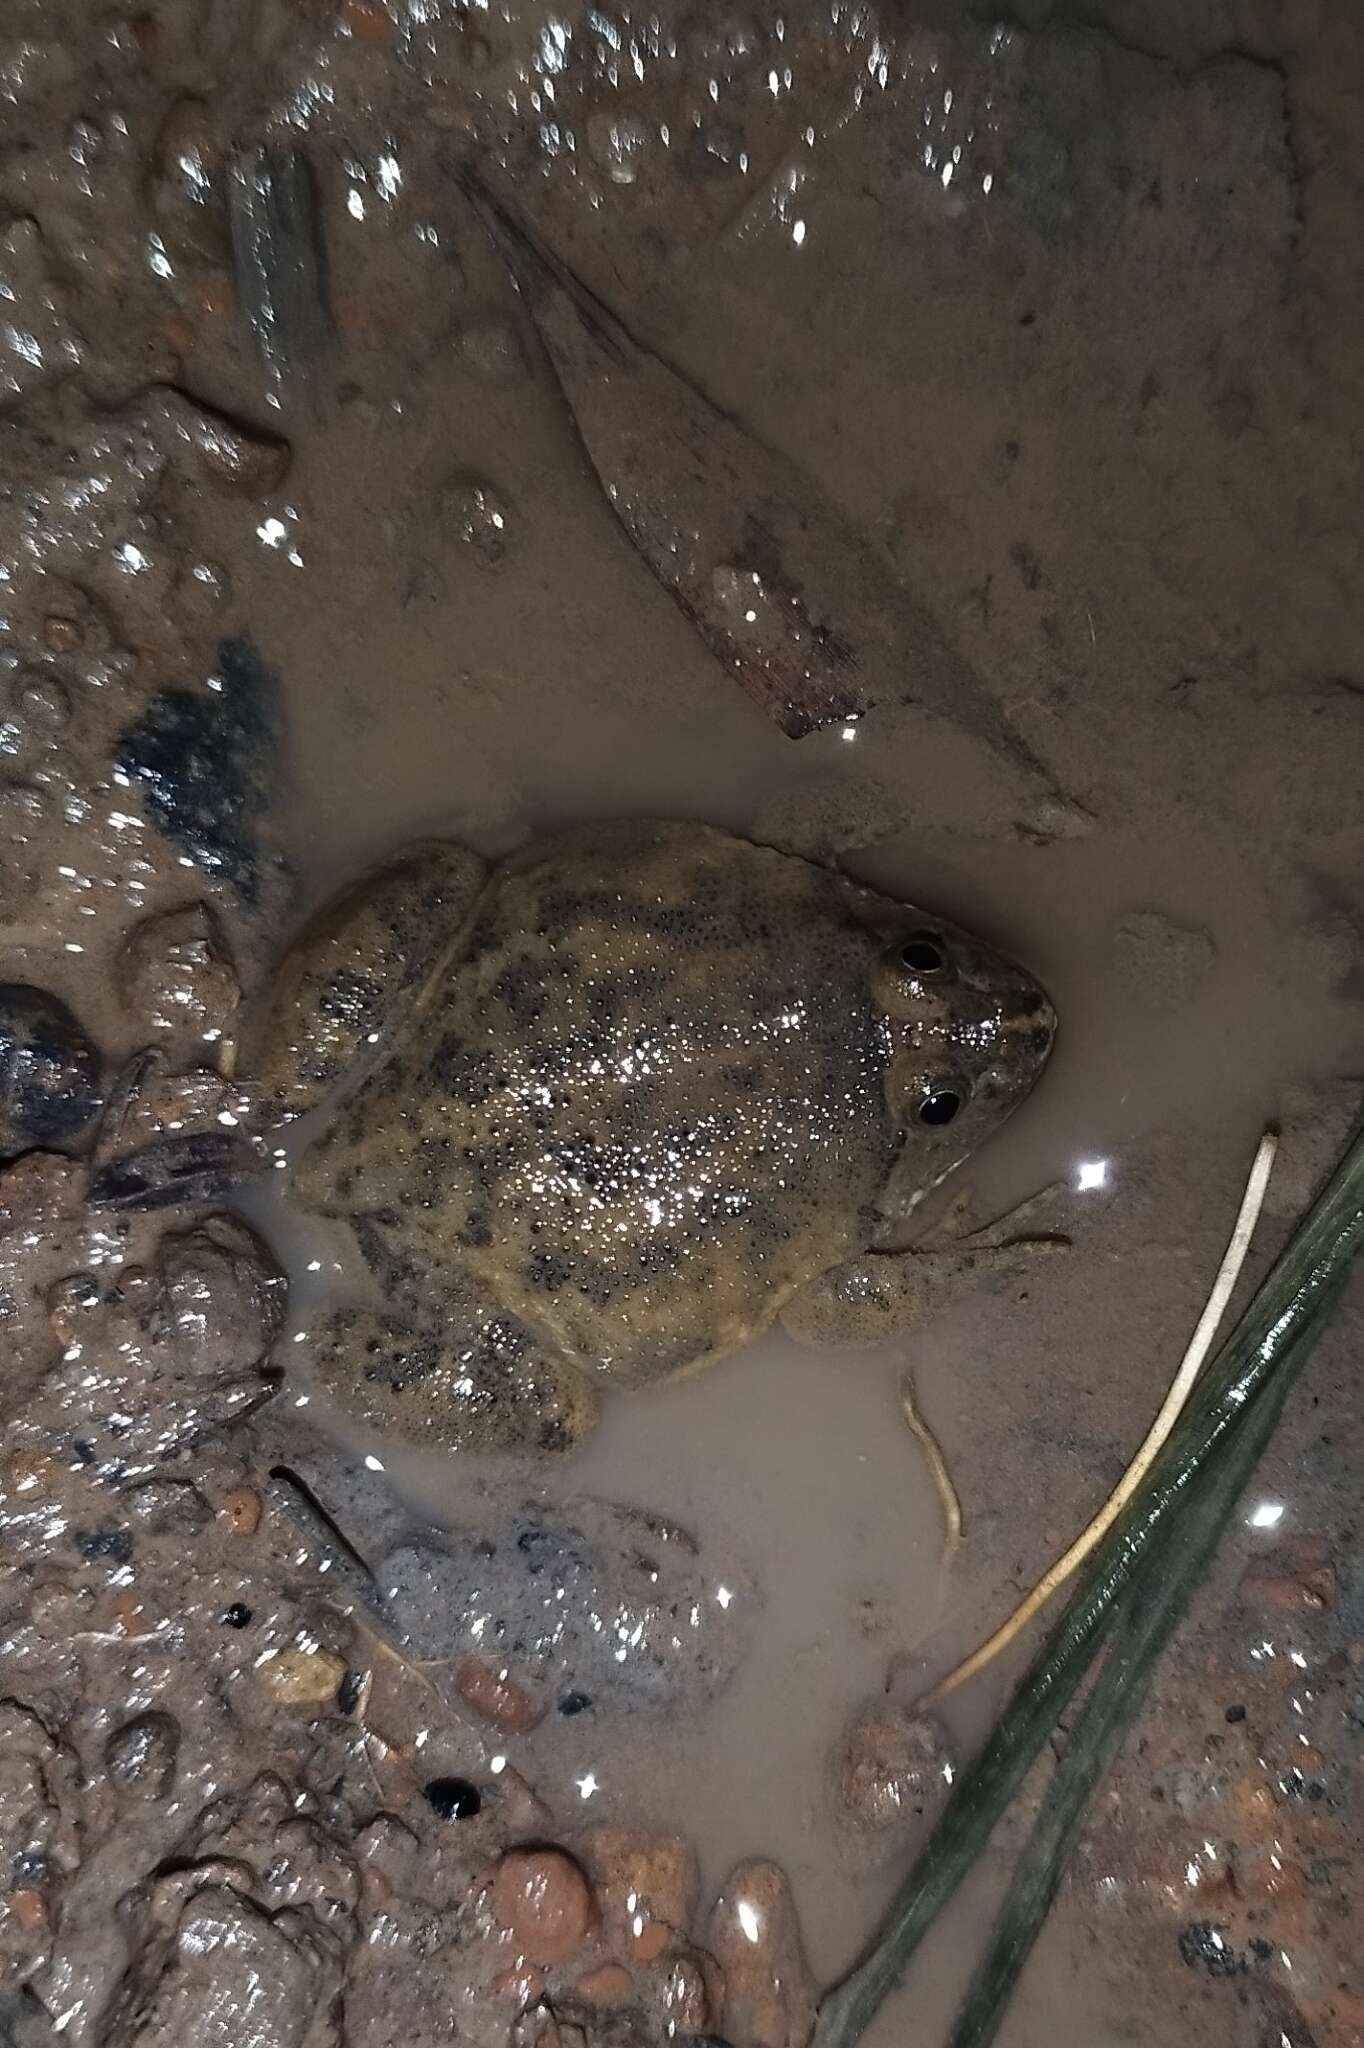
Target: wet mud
923, 443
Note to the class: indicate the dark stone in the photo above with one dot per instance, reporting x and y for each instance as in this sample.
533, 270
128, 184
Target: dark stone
49, 1071
141, 1756
107, 1541
1206, 1947
205, 761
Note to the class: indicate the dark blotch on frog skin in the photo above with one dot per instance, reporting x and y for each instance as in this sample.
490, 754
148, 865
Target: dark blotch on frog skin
205, 763
523, 992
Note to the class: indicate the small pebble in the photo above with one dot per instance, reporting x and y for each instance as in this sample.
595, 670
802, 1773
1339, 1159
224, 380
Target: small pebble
895, 1766
302, 1678
241, 1510
1298, 1577
49, 1070
69, 1302
540, 2027
684, 1997
175, 975
650, 1940
755, 1938
495, 1695
544, 1901
520, 1987
141, 1756
478, 515
29, 1909
647, 1884
608, 1984
129, 1612
63, 636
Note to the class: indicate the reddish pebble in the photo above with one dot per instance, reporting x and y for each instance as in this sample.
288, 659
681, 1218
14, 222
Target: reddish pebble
29, 1909
1296, 1578
495, 1695
519, 1987
608, 1984
651, 1940
543, 1900
241, 1510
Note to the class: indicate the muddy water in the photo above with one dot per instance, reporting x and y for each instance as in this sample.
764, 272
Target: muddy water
1059, 320
427, 693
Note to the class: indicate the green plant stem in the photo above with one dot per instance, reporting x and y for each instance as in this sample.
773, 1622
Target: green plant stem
1148, 1615
1283, 1306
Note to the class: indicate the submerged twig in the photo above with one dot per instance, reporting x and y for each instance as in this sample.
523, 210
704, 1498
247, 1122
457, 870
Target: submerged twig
1065, 1567
937, 1465
1288, 1306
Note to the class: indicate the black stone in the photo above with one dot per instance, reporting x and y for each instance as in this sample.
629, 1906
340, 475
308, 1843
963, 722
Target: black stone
107, 1541
205, 761
49, 1071
1206, 1947
238, 1615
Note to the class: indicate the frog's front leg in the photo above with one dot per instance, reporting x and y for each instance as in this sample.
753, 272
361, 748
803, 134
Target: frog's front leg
881, 1294
168, 1139
449, 1372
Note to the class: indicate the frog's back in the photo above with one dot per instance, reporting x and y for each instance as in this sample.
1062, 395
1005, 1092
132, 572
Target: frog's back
645, 1103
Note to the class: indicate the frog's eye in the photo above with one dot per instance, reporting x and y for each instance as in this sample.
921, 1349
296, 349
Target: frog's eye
940, 1105
922, 953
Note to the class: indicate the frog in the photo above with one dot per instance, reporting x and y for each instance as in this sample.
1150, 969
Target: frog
602, 1112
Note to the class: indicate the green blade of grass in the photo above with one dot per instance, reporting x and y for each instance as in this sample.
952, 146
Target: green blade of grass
1283, 1307
1147, 1617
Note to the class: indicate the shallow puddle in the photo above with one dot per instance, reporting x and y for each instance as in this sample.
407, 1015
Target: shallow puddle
1054, 328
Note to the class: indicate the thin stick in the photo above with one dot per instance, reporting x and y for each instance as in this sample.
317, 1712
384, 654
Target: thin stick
1305, 1274
1147, 1617
937, 1465
1228, 1273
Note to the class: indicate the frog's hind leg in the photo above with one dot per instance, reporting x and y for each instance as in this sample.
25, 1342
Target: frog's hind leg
439, 1362
349, 973
354, 969
469, 1380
